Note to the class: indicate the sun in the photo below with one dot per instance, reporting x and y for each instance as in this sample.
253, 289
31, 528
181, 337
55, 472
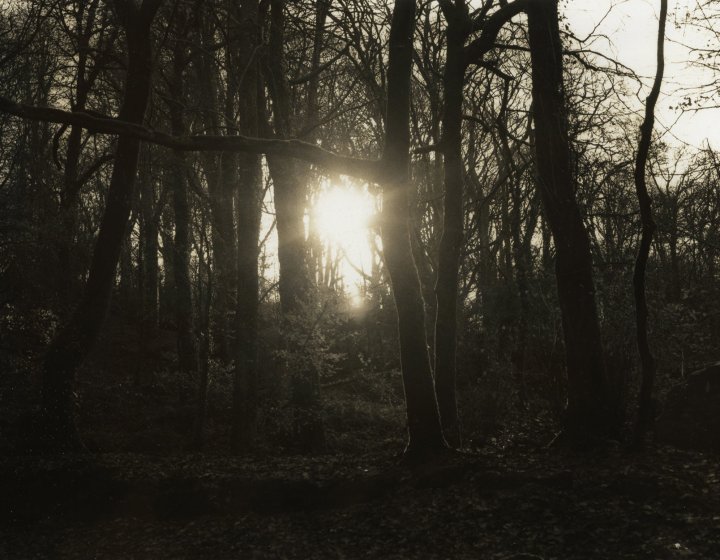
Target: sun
341, 217
341, 213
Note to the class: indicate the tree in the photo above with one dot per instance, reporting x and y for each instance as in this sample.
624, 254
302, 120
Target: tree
481, 143
176, 172
591, 410
459, 27
249, 199
76, 338
290, 185
424, 430
391, 171
86, 26
647, 360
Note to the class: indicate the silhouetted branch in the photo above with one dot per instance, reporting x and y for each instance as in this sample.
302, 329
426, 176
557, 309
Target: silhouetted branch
362, 168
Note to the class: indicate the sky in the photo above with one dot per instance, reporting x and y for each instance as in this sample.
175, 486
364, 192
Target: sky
631, 29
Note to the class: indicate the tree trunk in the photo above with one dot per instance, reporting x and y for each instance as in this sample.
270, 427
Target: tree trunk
75, 340
204, 298
72, 182
446, 286
166, 292
294, 281
425, 437
67, 265
522, 254
148, 262
590, 410
289, 188
176, 173
520, 248
148, 245
221, 176
248, 208
126, 289
675, 284
646, 412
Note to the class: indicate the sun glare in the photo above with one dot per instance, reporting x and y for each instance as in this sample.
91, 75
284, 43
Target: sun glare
341, 217
340, 213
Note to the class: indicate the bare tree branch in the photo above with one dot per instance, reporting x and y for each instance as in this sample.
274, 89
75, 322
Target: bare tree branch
368, 170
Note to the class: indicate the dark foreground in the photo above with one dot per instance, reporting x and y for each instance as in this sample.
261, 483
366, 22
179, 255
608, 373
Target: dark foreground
524, 504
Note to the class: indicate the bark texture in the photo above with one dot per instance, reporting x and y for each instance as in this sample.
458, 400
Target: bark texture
425, 437
446, 286
590, 408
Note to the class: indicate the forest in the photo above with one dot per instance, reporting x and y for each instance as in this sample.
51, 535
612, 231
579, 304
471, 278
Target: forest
358, 279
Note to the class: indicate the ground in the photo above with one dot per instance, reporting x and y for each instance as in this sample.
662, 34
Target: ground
498, 503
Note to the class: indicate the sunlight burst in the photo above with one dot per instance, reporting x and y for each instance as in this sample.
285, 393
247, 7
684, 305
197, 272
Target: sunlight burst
341, 217
341, 213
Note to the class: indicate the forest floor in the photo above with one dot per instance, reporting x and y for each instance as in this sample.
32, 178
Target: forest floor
529, 503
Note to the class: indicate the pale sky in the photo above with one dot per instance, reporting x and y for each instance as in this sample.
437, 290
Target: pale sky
631, 27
